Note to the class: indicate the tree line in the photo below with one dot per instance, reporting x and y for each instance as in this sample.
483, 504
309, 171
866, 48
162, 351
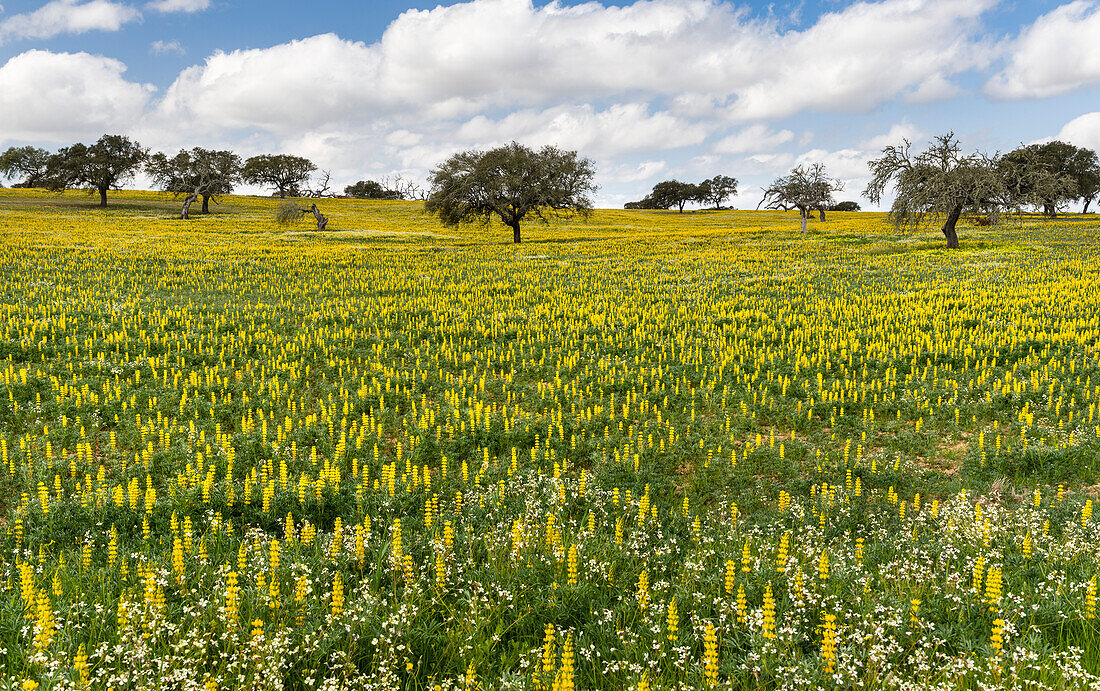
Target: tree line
513, 182
193, 174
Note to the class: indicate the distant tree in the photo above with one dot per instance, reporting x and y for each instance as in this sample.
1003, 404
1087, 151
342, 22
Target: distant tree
283, 173
195, 173
844, 206
1050, 175
510, 183
939, 182
370, 189
804, 188
717, 190
103, 166
27, 163
670, 193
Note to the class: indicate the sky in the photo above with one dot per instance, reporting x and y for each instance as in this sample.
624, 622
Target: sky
650, 90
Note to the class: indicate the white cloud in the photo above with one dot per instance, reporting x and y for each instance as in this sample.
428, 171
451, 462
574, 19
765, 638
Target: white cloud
753, 139
67, 17
299, 85
935, 88
622, 128
1082, 131
508, 54
166, 47
646, 170
845, 164
894, 137
178, 5
59, 97
1056, 54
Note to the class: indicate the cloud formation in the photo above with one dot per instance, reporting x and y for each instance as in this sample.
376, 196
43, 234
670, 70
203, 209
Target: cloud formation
67, 17
61, 97
1055, 55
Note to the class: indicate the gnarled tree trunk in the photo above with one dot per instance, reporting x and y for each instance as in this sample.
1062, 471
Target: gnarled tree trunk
804, 213
1088, 200
185, 213
206, 203
514, 225
322, 220
103, 197
821, 215
949, 227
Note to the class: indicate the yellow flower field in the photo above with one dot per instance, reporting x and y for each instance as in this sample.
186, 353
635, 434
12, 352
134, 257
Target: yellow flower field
651, 450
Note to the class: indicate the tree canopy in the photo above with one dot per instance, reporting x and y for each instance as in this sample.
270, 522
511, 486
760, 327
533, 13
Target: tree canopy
1051, 175
28, 163
511, 183
716, 190
370, 189
195, 173
670, 193
938, 182
103, 166
806, 188
283, 173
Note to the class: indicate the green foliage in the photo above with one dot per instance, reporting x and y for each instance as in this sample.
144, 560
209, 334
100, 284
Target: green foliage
1050, 175
283, 173
105, 165
370, 189
511, 183
27, 163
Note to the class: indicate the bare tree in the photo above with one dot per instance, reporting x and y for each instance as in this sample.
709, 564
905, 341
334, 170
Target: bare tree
804, 188
938, 182
322, 189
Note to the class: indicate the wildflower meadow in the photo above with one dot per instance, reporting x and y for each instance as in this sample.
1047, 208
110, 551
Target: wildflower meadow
648, 450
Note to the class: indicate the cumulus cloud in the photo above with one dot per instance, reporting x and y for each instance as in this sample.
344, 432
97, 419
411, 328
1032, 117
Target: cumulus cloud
621, 128
1082, 131
893, 137
48, 96
1056, 54
646, 170
178, 5
67, 17
488, 54
753, 139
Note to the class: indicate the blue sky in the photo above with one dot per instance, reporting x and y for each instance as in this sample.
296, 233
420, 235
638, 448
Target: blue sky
650, 89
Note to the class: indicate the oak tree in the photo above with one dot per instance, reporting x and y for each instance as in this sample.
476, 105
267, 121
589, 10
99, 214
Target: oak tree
511, 183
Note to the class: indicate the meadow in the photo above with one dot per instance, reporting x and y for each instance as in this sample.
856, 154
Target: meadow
648, 451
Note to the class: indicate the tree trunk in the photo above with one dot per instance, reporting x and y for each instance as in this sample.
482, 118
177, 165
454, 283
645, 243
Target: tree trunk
1088, 200
515, 231
803, 213
187, 205
682, 207
103, 197
322, 220
821, 216
1050, 210
206, 203
949, 227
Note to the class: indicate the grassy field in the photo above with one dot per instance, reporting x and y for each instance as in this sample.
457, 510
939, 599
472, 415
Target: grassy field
652, 450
